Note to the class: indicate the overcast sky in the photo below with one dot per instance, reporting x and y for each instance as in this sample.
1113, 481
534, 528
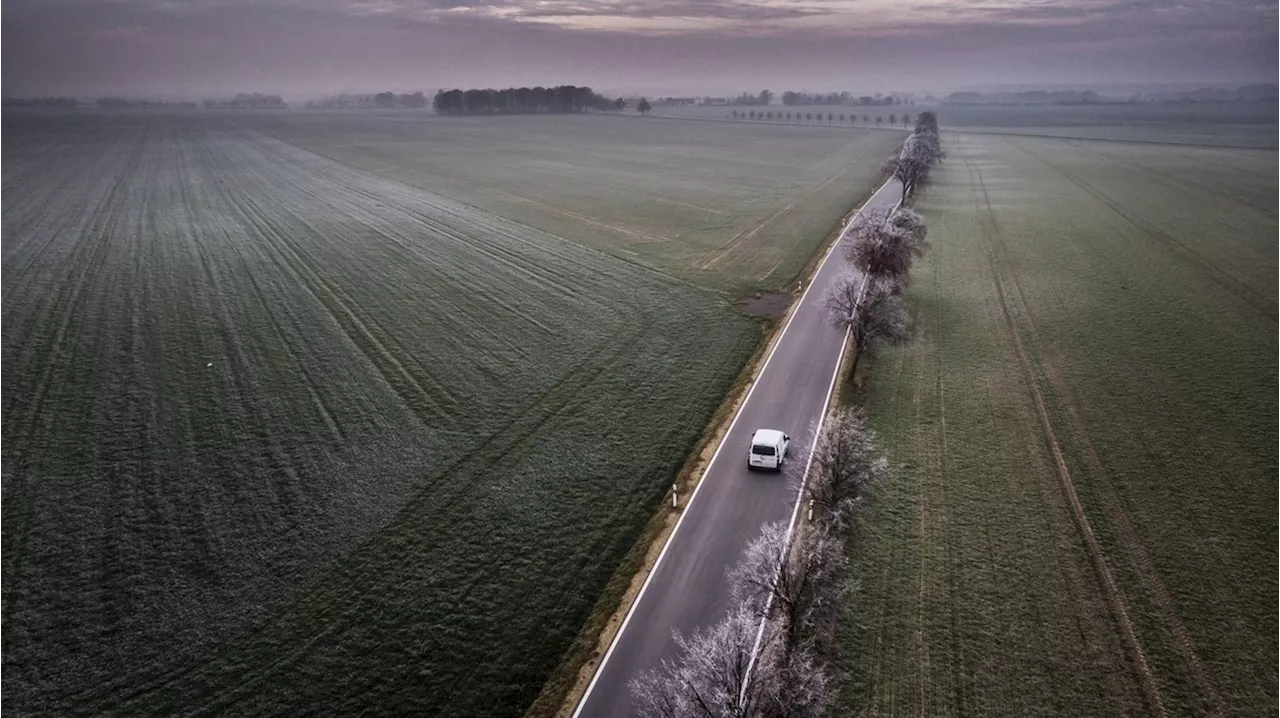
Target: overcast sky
305, 48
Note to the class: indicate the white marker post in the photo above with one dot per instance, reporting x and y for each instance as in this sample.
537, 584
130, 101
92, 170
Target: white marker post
674, 497
810, 510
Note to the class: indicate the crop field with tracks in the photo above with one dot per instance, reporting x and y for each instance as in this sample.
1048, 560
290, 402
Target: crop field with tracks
1082, 517
282, 431
731, 207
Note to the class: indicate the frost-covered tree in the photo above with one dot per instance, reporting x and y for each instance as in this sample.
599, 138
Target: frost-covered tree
713, 676
927, 121
844, 463
871, 312
910, 170
788, 583
885, 243
925, 145
720, 672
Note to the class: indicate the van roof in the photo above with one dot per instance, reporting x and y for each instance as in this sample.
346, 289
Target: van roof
769, 437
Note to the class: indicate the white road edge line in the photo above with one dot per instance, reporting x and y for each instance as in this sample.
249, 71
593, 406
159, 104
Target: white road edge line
795, 510
692, 497
791, 527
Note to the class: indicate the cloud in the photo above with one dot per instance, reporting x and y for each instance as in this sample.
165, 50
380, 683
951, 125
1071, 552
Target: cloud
190, 46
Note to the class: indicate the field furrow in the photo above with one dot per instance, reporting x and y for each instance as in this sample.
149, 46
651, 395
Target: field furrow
1109, 486
271, 420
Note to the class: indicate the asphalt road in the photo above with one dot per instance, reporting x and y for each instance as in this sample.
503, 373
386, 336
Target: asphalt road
688, 588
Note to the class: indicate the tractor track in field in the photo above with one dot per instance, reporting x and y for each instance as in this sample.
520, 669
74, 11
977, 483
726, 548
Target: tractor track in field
1134, 548
16, 510
1174, 179
749, 232
1107, 583
431, 406
1223, 278
564, 393
545, 409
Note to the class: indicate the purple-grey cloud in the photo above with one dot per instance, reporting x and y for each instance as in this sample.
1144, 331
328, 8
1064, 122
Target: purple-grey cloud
311, 46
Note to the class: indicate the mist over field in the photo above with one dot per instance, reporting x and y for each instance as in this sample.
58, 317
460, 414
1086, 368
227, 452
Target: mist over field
367, 356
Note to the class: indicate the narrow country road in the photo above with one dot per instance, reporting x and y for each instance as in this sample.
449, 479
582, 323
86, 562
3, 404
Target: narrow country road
688, 587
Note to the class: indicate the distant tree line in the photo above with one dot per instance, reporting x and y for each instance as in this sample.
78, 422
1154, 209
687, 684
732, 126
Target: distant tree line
1247, 93
40, 102
380, 101
1030, 97
130, 103
244, 100
748, 99
563, 99
838, 98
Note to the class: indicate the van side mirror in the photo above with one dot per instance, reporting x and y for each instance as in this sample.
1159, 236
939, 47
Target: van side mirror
788, 438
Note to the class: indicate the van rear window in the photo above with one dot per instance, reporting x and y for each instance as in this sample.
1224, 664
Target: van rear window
759, 450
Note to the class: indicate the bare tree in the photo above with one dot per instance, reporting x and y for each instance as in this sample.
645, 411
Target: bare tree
871, 312
843, 464
927, 121
713, 677
885, 243
797, 679
924, 146
911, 171
785, 582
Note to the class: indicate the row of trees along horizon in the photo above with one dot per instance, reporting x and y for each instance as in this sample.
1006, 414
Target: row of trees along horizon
789, 98
522, 100
781, 116
770, 656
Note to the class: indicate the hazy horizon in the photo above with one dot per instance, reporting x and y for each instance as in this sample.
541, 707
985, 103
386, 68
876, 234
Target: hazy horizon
192, 49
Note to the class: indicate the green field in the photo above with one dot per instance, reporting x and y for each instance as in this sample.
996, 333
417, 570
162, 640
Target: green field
289, 429
1082, 517
731, 207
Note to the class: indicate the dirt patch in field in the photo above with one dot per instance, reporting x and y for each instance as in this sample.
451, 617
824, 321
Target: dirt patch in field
766, 305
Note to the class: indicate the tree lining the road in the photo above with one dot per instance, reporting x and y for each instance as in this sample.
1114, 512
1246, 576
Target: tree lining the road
764, 659
911, 162
788, 585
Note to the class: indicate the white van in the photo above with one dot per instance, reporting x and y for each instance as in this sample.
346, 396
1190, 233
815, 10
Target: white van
768, 449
